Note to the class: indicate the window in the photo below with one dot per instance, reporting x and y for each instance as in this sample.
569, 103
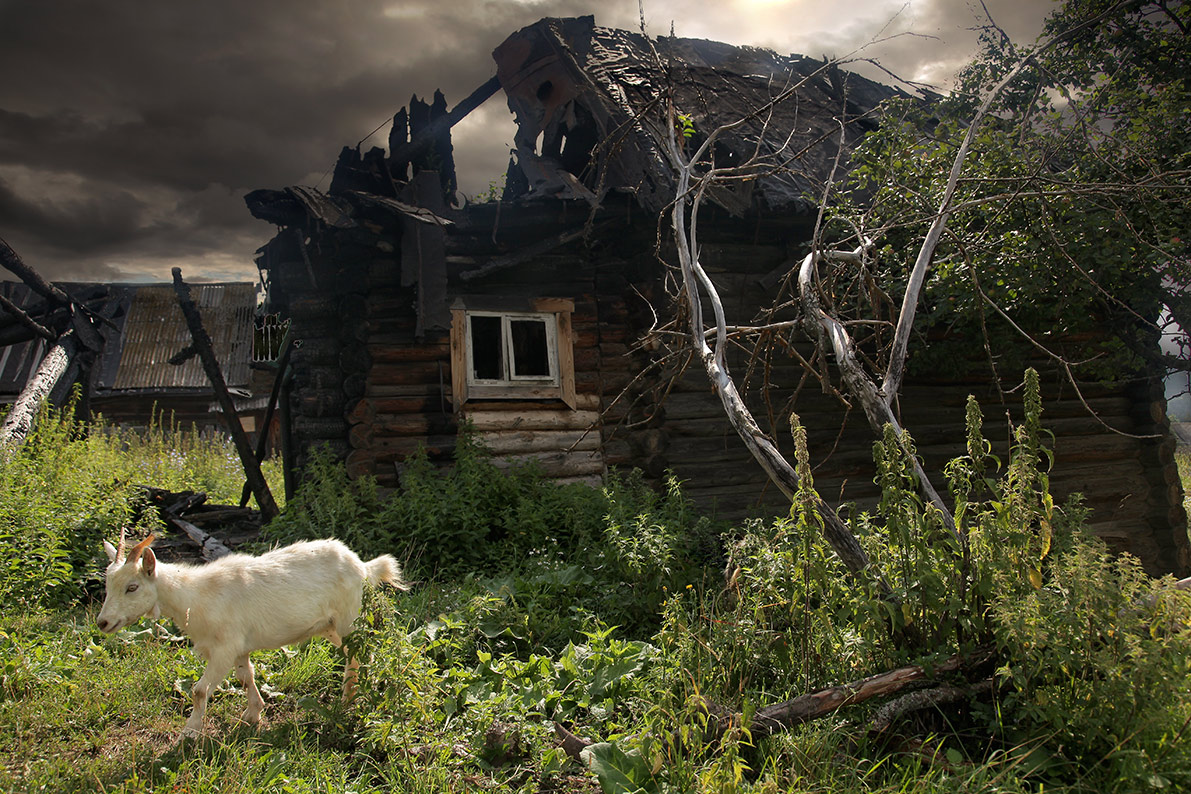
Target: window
503, 348
507, 349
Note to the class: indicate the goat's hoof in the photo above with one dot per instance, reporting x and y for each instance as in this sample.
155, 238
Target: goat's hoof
191, 733
248, 718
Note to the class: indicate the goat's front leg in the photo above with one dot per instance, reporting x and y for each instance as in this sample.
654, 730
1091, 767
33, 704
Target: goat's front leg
217, 666
244, 672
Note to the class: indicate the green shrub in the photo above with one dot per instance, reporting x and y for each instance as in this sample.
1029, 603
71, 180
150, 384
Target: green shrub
557, 551
71, 484
329, 504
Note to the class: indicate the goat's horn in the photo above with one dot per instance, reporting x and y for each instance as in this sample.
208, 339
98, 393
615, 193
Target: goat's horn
120, 546
139, 549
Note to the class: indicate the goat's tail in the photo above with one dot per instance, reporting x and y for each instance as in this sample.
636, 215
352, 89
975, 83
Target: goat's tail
384, 569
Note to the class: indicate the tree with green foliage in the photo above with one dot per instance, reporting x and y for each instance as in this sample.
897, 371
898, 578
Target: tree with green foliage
1045, 197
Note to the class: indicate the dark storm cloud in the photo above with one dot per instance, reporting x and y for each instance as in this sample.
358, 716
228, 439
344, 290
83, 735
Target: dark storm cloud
130, 130
73, 224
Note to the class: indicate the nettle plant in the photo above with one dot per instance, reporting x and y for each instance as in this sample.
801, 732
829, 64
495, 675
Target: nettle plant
792, 618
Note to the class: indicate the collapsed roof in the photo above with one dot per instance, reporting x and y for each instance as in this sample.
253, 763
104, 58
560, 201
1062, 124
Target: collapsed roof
591, 109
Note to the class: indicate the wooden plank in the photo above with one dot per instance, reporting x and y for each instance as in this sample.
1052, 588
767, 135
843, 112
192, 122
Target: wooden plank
526, 441
557, 464
401, 354
566, 358
539, 420
458, 357
584, 402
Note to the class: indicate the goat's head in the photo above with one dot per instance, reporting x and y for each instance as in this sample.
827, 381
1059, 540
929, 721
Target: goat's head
131, 585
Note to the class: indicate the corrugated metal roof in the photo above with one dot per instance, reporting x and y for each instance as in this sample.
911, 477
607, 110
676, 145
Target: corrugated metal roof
155, 330
149, 329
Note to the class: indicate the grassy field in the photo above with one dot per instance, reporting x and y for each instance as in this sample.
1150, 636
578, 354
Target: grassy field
604, 610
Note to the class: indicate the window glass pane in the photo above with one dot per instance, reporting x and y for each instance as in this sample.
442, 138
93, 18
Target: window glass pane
486, 360
530, 351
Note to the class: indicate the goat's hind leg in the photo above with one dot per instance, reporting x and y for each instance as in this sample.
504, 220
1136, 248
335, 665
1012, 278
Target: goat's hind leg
350, 669
244, 673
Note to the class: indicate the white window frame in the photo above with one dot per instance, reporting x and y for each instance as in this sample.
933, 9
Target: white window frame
548, 319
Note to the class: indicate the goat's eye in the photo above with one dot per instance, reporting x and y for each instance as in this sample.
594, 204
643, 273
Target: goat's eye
132, 588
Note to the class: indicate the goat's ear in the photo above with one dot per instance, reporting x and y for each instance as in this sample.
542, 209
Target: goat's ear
148, 562
110, 550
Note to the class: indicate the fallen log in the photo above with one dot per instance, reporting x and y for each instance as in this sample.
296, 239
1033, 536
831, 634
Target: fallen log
922, 699
210, 547
781, 717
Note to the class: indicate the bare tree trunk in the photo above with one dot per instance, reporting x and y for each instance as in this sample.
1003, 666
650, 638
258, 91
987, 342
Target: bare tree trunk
877, 401
202, 346
762, 448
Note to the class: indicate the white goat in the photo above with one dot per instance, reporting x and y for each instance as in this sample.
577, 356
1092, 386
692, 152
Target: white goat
238, 604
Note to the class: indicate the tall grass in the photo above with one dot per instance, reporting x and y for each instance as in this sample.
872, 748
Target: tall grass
71, 484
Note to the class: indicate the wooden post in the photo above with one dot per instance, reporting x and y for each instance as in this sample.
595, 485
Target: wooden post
202, 343
262, 440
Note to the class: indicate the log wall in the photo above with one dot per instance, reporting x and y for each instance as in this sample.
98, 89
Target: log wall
373, 375
1128, 479
408, 399
321, 284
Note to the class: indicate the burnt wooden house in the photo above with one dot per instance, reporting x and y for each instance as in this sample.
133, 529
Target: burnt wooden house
534, 318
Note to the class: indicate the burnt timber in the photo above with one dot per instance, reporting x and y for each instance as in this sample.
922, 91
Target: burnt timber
397, 290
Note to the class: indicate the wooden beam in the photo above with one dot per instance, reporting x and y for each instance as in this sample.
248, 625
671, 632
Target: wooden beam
426, 136
202, 343
210, 547
37, 328
262, 440
87, 335
19, 421
13, 262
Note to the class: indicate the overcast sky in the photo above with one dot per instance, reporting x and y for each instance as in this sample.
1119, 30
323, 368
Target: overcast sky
130, 130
